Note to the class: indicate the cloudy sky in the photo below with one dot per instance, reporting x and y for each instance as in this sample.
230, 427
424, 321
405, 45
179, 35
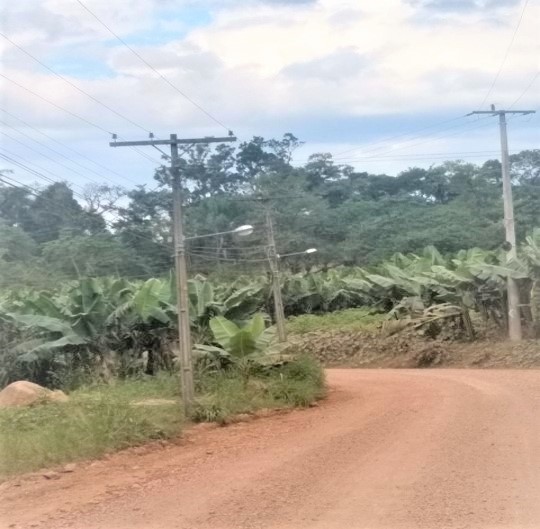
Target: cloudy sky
383, 85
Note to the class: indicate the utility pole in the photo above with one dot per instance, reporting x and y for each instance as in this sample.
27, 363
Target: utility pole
514, 316
273, 260
184, 330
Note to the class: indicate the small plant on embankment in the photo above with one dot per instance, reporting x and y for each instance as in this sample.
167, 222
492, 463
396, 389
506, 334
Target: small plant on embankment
248, 372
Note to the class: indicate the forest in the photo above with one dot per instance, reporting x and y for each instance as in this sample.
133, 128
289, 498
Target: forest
56, 231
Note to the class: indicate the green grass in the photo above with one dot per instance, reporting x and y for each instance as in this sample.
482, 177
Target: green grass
350, 319
96, 420
100, 419
296, 384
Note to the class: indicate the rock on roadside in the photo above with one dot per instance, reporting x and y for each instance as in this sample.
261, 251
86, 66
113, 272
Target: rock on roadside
24, 393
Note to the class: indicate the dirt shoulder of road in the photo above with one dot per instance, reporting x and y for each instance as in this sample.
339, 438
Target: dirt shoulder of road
388, 449
368, 349
31, 499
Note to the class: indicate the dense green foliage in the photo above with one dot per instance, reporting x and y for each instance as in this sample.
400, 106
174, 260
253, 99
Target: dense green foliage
119, 327
85, 284
352, 217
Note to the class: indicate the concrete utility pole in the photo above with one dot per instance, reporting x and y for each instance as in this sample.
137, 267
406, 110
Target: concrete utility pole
273, 260
514, 316
184, 330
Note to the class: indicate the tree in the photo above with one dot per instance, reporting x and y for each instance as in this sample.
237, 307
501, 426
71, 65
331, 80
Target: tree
145, 227
15, 205
15, 244
102, 198
92, 255
525, 168
54, 210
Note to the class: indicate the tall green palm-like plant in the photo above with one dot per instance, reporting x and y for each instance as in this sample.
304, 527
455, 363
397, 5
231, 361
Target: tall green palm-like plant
246, 346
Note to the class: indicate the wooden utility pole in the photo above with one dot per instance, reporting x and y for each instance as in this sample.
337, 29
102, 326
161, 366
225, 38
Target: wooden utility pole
184, 330
514, 316
273, 260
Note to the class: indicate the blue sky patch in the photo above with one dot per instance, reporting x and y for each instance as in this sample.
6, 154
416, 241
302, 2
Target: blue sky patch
168, 25
75, 65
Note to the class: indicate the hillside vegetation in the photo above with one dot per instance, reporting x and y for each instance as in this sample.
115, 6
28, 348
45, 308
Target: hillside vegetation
352, 217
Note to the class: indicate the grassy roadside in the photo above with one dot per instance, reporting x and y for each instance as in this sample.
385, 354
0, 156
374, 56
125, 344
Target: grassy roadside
103, 418
344, 320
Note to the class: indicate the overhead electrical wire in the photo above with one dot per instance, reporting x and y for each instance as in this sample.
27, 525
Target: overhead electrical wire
23, 164
424, 154
61, 164
413, 134
58, 153
505, 57
74, 151
208, 257
527, 88
434, 138
144, 61
430, 137
73, 85
31, 171
77, 116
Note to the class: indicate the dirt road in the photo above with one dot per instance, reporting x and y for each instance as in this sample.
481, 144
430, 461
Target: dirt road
429, 449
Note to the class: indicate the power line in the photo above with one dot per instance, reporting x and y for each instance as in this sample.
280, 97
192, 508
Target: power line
413, 134
437, 137
73, 114
16, 160
65, 146
73, 85
453, 153
144, 61
46, 147
426, 156
34, 172
46, 156
411, 138
503, 62
527, 88
208, 257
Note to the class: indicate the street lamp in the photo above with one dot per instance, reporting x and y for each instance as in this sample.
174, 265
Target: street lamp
243, 231
308, 251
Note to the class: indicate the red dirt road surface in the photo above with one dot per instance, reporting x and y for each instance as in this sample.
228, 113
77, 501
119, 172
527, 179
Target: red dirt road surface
431, 449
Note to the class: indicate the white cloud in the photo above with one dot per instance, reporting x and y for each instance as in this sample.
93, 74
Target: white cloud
261, 66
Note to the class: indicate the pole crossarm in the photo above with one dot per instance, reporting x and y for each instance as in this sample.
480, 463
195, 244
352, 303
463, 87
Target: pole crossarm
499, 112
182, 141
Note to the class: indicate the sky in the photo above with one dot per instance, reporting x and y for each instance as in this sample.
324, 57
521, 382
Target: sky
382, 85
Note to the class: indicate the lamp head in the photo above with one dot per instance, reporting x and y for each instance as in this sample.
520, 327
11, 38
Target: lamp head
244, 230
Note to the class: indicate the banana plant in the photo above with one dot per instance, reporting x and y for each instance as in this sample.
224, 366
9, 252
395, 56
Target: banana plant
252, 344
252, 338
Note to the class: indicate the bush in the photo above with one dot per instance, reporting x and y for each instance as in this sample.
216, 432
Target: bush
297, 383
